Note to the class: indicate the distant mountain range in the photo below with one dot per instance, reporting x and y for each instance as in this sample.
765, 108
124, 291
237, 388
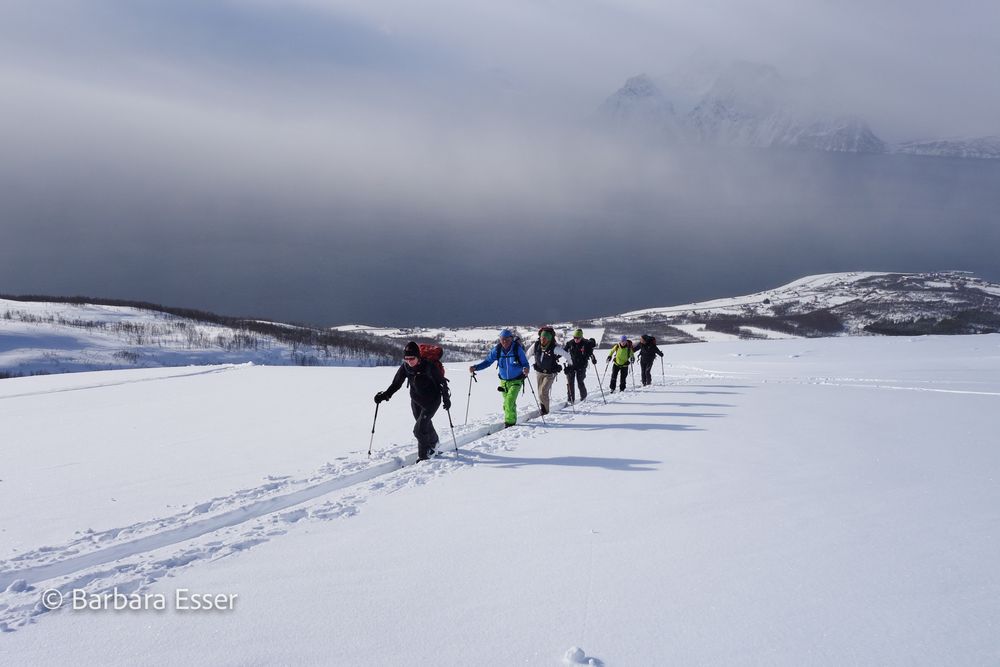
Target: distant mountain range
59, 335
835, 304
751, 106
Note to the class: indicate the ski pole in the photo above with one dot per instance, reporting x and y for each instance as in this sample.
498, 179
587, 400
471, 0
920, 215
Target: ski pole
600, 385
527, 379
606, 364
569, 391
373, 431
468, 399
452, 426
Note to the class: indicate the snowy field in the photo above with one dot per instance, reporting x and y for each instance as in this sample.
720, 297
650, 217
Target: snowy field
794, 502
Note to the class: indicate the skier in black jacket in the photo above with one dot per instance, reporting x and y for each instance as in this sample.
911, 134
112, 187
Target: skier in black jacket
546, 364
581, 353
647, 351
428, 391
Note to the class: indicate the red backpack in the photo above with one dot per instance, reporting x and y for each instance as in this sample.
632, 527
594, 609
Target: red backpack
433, 353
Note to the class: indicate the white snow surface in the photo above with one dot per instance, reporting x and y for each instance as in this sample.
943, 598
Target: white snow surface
791, 502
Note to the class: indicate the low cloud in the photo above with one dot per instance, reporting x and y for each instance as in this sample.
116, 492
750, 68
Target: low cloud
316, 161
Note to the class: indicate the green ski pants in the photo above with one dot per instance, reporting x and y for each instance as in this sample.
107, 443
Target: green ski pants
510, 388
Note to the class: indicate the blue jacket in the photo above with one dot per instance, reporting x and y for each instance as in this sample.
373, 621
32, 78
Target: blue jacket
511, 363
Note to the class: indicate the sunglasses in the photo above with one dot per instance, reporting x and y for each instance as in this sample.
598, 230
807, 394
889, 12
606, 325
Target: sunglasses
410, 359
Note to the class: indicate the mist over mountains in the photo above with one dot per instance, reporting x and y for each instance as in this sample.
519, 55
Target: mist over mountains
751, 105
380, 167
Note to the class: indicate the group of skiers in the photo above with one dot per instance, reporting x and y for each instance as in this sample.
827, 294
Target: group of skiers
424, 374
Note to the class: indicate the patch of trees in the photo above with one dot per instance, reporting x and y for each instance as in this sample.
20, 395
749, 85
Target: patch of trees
972, 321
811, 325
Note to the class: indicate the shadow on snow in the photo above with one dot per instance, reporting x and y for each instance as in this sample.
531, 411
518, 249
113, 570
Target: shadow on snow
625, 465
631, 427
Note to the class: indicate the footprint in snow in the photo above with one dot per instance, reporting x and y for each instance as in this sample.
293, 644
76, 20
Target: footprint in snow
575, 656
18, 586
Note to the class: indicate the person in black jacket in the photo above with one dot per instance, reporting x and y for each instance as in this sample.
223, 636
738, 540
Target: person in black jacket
546, 354
581, 353
428, 391
647, 352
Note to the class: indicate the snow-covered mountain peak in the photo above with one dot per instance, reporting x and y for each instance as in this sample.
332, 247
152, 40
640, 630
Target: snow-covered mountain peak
747, 104
640, 106
639, 86
744, 104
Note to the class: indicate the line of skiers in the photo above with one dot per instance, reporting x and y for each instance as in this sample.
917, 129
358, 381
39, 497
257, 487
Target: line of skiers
425, 376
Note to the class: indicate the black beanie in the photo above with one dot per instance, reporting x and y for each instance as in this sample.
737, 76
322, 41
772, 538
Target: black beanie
411, 350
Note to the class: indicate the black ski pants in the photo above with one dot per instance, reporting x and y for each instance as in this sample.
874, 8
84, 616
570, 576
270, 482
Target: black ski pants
646, 366
576, 376
427, 437
615, 370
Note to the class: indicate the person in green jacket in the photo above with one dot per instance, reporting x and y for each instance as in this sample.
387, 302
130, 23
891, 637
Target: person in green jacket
623, 356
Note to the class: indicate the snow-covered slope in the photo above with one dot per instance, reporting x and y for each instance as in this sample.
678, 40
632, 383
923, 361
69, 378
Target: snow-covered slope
824, 502
978, 147
845, 303
49, 337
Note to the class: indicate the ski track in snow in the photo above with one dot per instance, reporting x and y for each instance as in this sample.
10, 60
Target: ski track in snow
131, 558
865, 383
101, 385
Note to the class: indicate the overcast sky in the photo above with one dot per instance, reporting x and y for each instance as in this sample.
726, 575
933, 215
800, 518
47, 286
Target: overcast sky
399, 162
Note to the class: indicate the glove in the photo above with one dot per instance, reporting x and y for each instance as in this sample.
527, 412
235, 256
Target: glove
594, 359
379, 397
526, 372
557, 369
537, 367
446, 402
609, 357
